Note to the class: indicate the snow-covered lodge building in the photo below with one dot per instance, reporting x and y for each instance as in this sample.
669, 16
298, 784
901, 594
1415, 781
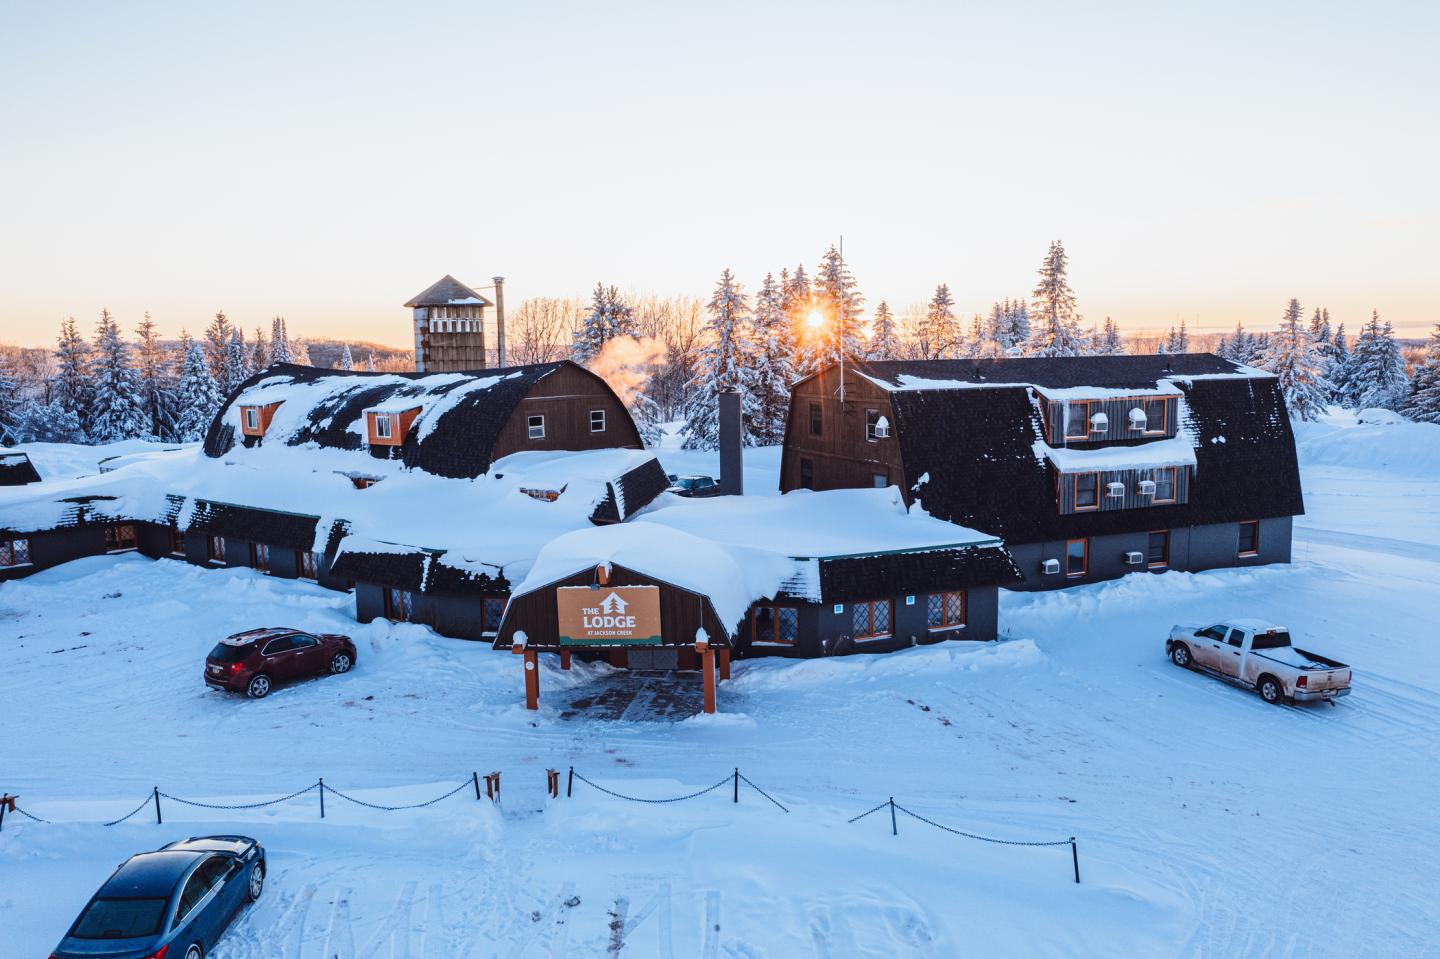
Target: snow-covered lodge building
1086, 467
478, 502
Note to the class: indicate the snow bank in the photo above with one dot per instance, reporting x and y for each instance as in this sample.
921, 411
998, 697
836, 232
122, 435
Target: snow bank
1397, 446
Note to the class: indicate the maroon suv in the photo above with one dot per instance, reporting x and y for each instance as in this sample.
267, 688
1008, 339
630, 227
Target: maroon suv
252, 662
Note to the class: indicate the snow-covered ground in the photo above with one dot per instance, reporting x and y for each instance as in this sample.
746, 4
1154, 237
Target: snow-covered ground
1209, 824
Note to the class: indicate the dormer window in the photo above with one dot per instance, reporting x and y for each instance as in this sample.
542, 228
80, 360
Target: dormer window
255, 419
1155, 416
387, 427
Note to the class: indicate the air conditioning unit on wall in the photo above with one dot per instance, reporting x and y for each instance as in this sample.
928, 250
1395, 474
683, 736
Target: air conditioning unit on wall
1147, 487
1116, 490
1050, 567
1134, 558
1099, 423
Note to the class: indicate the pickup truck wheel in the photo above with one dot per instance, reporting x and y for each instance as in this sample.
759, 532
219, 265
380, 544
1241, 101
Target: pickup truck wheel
1180, 655
1271, 691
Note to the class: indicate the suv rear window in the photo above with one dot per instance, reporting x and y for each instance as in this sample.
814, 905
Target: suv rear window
225, 653
120, 919
1270, 641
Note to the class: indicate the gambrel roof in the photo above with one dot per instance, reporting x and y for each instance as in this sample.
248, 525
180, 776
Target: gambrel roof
967, 432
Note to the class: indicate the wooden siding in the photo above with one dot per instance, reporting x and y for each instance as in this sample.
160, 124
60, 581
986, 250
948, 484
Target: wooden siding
1117, 411
843, 457
681, 612
267, 413
565, 398
1065, 490
399, 426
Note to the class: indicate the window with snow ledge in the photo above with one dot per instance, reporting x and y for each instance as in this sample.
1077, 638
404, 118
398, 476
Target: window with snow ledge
255, 419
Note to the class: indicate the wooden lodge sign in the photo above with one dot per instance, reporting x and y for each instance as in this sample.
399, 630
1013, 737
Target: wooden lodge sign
609, 615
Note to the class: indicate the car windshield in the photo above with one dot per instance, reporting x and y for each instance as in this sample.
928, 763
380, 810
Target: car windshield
225, 653
120, 919
1271, 640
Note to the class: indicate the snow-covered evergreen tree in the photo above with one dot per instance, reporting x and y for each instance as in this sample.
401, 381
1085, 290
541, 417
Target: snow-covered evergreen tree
74, 388
300, 353
11, 404
156, 377
51, 422
279, 342
1111, 342
836, 295
1423, 403
885, 338
720, 364
118, 414
347, 361
1058, 332
1293, 357
1376, 375
197, 395
217, 346
370, 362
1019, 315
937, 334
237, 361
610, 317
1338, 369
771, 367
259, 351
1182, 339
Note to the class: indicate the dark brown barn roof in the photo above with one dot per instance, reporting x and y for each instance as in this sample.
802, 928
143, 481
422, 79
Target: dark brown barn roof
445, 291
16, 469
975, 448
460, 443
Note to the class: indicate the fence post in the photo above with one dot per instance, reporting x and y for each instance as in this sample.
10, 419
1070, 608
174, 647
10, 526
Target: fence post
475, 778
737, 784
570, 782
158, 820
322, 797
1075, 856
894, 829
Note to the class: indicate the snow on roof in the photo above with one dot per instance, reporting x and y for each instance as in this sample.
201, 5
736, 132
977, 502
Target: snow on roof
740, 549
825, 525
1256, 625
731, 577
1057, 377
1175, 451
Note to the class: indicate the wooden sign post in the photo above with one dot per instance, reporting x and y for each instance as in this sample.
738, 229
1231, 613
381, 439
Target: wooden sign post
532, 671
707, 667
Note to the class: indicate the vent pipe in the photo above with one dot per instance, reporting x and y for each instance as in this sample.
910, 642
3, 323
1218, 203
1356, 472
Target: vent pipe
732, 481
499, 321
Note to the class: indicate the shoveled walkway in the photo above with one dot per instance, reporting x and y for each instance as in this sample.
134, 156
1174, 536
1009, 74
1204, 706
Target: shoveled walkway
638, 696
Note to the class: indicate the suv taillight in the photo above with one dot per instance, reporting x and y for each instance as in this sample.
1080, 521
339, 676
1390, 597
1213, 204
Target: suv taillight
1303, 681
236, 667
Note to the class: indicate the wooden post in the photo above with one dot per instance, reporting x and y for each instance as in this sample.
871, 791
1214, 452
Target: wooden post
564, 659
707, 665
532, 679
724, 662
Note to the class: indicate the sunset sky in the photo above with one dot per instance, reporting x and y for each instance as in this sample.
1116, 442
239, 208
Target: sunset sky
1206, 161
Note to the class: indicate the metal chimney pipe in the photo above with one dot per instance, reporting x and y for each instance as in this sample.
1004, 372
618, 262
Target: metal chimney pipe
732, 479
500, 321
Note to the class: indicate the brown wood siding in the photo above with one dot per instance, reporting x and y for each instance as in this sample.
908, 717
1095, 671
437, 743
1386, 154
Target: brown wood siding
681, 612
1117, 411
267, 413
843, 457
565, 398
1065, 492
399, 425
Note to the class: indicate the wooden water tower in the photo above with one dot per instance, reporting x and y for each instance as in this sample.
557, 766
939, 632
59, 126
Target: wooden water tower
449, 320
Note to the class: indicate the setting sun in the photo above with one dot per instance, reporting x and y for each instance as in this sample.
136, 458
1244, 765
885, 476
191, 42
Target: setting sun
815, 318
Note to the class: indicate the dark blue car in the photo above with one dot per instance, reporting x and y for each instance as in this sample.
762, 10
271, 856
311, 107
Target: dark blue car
170, 904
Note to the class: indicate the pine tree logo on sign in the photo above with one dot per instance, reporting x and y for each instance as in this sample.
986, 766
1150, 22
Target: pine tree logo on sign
619, 616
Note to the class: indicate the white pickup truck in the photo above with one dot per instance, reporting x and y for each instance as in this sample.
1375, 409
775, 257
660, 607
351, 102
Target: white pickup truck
1258, 656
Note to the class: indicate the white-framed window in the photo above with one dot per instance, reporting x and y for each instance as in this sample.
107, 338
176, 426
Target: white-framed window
597, 421
535, 426
252, 419
14, 552
383, 428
